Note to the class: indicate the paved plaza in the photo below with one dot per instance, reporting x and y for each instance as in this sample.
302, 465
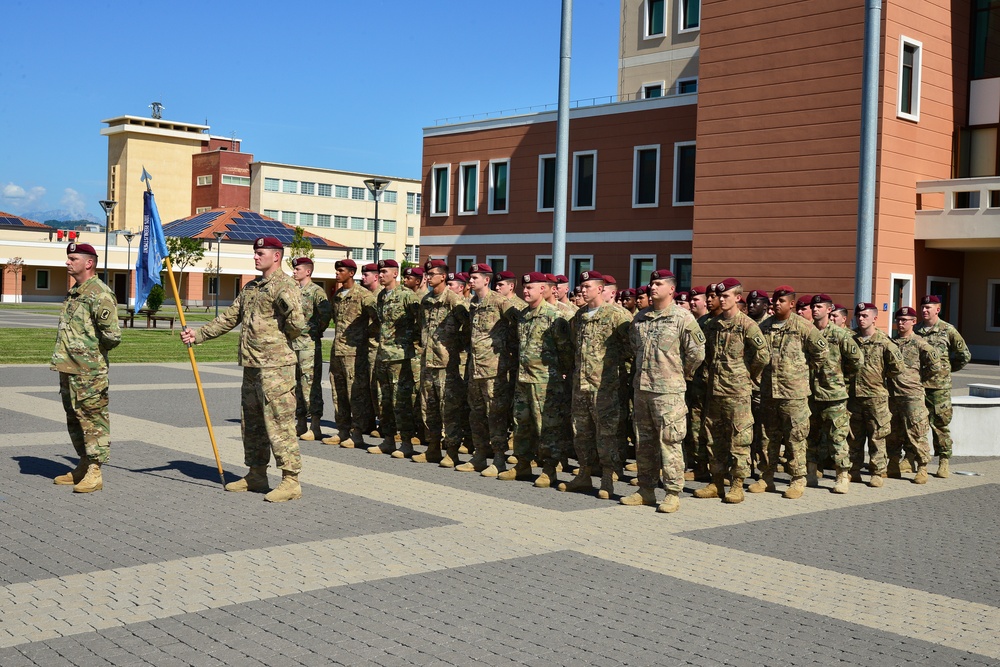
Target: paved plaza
388, 562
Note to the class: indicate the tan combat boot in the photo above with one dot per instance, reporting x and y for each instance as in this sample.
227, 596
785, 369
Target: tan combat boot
450, 458
670, 504
92, 481
332, 440
795, 489
432, 455
765, 483
843, 484
644, 496
398, 438
387, 446
289, 488
735, 495
301, 426
76, 474
520, 471
632, 467
892, 470
911, 464
256, 481
713, 489
942, 471
548, 477
357, 439
314, 432
876, 481
812, 475
581, 482
405, 451
477, 463
608, 478
498, 466
921, 476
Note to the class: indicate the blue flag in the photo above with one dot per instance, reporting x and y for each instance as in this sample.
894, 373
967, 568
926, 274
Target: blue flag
152, 250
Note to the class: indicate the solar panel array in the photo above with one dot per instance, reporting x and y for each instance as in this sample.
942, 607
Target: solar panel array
189, 227
15, 222
248, 225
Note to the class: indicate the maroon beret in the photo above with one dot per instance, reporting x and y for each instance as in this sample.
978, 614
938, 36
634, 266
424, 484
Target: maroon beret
757, 294
683, 297
561, 279
710, 289
863, 306
298, 261
590, 275
463, 276
436, 264
534, 277
660, 273
481, 268
821, 298
906, 311
369, 267
930, 298
268, 242
803, 300
346, 264
629, 292
837, 306
609, 279
727, 284
80, 249
413, 272
506, 275
782, 290
643, 289
695, 291
388, 264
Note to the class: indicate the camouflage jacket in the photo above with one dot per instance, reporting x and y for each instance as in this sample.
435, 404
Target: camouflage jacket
882, 362
735, 355
269, 312
356, 321
490, 323
950, 345
545, 351
518, 302
570, 305
797, 349
444, 323
566, 310
317, 312
398, 311
600, 341
88, 328
843, 361
669, 346
921, 363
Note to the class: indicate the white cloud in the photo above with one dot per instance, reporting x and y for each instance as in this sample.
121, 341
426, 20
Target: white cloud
73, 202
12, 191
16, 199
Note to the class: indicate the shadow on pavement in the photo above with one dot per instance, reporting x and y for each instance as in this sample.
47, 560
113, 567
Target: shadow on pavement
196, 471
34, 465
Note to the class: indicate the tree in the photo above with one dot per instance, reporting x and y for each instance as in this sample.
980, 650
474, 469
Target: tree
15, 265
299, 247
183, 253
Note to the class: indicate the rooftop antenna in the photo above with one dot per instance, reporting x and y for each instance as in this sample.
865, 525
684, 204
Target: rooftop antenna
234, 139
157, 108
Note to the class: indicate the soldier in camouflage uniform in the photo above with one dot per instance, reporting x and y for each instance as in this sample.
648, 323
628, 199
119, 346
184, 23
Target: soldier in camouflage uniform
696, 464
735, 357
356, 324
869, 398
668, 346
413, 280
444, 322
398, 311
910, 422
309, 347
600, 343
758, 305
370, 281
830, 419
506, 286
951, 346
544, 358
797, 351
562, 293
268, 311
88, 328
491, 321
840, 316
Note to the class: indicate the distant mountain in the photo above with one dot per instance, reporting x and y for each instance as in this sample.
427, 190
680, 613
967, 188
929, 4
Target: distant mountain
63, 216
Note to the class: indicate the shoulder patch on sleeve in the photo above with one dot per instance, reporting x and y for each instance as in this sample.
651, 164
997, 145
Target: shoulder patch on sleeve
758, 340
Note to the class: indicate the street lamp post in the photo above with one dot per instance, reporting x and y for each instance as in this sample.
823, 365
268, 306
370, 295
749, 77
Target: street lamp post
129, 235
376, 186
218, 267
108, 205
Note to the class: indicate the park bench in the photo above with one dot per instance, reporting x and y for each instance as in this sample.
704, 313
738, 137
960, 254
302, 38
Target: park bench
152, 319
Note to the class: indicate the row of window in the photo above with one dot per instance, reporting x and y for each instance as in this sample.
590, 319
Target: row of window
655, 17
645, 181
335, 221
227, 179
327, 190
652, 90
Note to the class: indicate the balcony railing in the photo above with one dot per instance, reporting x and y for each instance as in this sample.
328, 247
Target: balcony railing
958, 208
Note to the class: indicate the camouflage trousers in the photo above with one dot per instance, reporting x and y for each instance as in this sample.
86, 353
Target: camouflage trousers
870, 420
85, 400
596, 415
490, 405
830, 425
695, 451
661, 421
538, 421
443, 392
626, 423
309, 389
349, 379
395, 381
938, 403
758, 454
268, 424
374, 388
418, 401
728, 425
786, 423
908, 434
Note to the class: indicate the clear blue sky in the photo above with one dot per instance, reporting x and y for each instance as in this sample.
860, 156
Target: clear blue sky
344, 85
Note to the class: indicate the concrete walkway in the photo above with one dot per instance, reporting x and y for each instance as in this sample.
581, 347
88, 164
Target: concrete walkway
388, 562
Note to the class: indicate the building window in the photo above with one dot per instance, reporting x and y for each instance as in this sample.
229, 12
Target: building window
908, 106
213, 285
577, 265
306, 188
290, 187
680, 265
546, 182
412, 254
413, 202
271, 213
358, 224
203, 209
646, 181
388, 226
440, 176
322, 220
468, 188
370, 224
389, 196
687, 86
358, 193
288, 217
410, 232
340, 222
325, 190
689, 15
206, 180
684, 154
497, 262
651, 90
341, 191
387, 253
584, 180
543, 263
271, 184
306, 219
42, 279
464, 262
242, 181
655, 10
641, 266
358, 253
499, 185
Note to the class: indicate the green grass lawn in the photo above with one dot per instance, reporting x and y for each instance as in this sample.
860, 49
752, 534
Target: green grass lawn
34, 346
193, 315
